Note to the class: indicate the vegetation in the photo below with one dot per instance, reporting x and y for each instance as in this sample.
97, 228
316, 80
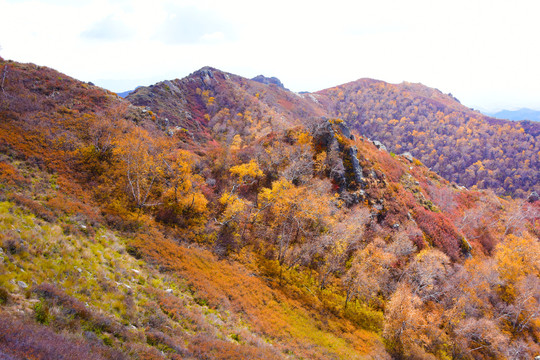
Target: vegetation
460, 144
233, 233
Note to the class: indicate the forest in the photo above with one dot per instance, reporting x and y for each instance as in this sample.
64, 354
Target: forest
463, 146
215, 217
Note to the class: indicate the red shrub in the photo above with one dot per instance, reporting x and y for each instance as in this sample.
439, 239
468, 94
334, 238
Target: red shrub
439, 231
34, 207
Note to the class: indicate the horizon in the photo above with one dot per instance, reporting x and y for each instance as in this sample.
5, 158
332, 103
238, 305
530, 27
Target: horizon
120, 44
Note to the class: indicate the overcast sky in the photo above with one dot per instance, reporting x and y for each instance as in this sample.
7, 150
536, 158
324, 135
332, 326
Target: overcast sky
485, 53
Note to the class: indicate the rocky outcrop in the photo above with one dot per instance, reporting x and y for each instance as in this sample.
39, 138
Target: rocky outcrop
335, 137
379, 145
533, 197
268, 80
355, 166
407, 155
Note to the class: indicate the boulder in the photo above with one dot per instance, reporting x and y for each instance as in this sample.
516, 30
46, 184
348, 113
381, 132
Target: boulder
407, 155
379, 145
532, 198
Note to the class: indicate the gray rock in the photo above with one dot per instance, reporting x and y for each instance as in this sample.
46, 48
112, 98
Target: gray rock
22, 284
357, 169
169, 291
268, 80
379, 145
532, 198
407, 155
344, 129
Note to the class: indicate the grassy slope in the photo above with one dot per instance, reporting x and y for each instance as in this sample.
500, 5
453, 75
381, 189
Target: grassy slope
123, 286
83, 282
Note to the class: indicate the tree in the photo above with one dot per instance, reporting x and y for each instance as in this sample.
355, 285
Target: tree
369, 274
142, 161
182, 203
290, 215
402, 322
427, 272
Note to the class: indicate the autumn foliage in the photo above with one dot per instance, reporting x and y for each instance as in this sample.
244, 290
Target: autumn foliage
251, 230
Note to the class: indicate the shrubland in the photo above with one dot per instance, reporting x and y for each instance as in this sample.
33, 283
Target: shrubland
127, 233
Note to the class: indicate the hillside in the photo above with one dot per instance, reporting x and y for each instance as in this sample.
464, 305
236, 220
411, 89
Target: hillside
216, 217
462, 145
210, 103
458, 143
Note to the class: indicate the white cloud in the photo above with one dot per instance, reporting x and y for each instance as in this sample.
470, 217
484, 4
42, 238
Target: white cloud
108, 28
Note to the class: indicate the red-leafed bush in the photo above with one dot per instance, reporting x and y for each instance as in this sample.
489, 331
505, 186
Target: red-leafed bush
34, 207
207, 348
439, 231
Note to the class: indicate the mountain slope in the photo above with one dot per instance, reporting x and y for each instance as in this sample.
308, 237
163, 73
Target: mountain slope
211, 100
101, 271
460, 144
258, 237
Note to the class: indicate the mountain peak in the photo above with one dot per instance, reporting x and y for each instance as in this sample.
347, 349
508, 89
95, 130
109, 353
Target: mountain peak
268, 80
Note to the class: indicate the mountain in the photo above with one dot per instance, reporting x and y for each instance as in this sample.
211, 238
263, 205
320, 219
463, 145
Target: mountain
125, 93
216, 217
462, 145
211, 100
518, 115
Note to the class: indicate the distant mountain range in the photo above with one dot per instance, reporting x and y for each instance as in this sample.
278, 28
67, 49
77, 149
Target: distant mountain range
517, 115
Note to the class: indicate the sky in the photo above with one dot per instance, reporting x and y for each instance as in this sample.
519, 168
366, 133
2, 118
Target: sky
484, 52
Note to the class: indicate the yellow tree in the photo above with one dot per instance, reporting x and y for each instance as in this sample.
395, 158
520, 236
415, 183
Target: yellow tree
248, 173
518, 263
342, 239
141, 157
290, 215
236, 211
182, 202
369, 273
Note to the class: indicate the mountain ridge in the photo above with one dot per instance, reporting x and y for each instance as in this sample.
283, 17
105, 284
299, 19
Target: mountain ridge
420, 109
518, 115
262, 231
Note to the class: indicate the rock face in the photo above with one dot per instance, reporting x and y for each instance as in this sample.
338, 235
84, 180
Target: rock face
533, 197
268, 80
379, 145
407, 155
356, 168
346, 171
